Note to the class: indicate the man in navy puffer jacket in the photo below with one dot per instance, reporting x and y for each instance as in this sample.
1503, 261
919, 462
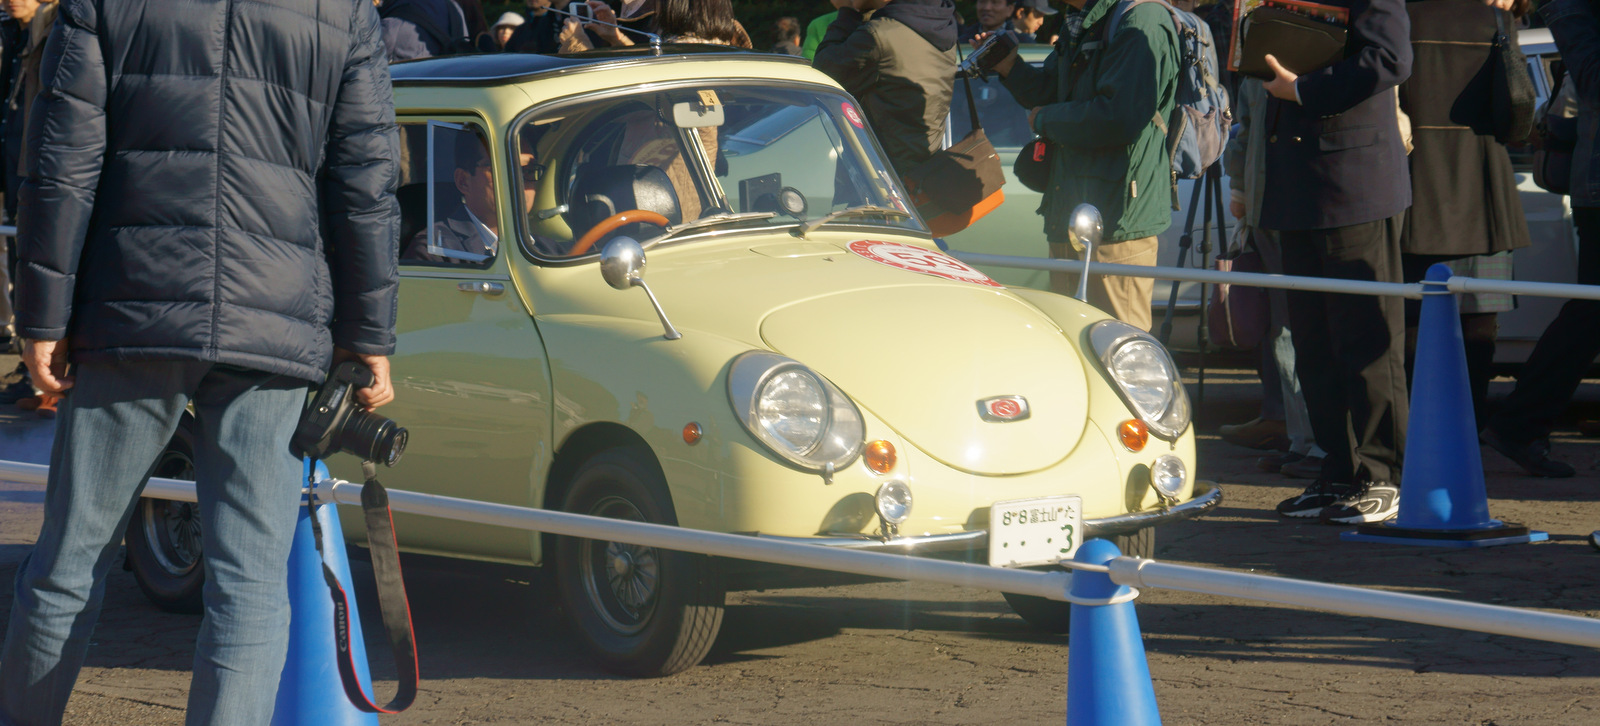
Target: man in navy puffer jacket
208, 217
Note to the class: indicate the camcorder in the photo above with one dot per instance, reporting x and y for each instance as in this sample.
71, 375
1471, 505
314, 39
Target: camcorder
335, 422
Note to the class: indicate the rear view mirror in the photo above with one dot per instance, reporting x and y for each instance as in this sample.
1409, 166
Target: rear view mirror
696, 115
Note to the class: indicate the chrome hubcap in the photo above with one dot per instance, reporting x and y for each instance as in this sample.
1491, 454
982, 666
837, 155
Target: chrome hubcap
172, 528
621, 580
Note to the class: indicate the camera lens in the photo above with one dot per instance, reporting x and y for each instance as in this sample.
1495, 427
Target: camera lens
373, 437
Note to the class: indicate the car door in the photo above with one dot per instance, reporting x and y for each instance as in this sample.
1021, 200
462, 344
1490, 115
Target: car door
471, 379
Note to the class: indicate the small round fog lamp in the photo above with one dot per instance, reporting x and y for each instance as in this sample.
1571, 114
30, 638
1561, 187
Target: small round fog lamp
879, 456
894, 502
1167, 476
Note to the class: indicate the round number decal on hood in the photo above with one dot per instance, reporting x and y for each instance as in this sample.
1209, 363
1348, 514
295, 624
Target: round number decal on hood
918, 259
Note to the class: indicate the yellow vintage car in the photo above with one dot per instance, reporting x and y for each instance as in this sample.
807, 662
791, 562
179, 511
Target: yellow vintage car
797, 361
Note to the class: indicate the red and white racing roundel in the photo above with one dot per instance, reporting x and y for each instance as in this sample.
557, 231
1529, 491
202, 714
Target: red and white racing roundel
851, 115
917, 259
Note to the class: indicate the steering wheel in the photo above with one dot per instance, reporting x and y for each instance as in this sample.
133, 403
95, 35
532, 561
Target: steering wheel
610, 224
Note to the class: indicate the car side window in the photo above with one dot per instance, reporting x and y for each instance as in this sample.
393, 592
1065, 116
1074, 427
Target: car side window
1004, 120
448, 196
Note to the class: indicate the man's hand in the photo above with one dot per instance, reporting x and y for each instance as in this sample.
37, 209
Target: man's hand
47, 363
1031, 113
1005, 64
1236, 209
866, 6
606, 25
381, 391
1500, 4
1282, 87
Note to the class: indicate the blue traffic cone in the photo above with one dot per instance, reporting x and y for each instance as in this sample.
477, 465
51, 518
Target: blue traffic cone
1443, 502
1108, 680
310, 692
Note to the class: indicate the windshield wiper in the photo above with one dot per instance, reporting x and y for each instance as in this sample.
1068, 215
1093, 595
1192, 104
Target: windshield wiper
805, 228
702, 223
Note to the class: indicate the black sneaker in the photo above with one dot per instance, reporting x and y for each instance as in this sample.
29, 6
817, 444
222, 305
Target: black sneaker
1310, 503
1533, 457
1363, 505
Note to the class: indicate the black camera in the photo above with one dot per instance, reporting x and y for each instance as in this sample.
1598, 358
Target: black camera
995, 48
334, 422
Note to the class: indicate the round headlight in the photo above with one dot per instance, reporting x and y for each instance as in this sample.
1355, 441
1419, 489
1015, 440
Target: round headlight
792, 406
796, 413
894, 502
1142, 369
1167, 476
1144, 374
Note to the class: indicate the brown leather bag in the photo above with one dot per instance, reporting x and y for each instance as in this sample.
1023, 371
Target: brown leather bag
961, 183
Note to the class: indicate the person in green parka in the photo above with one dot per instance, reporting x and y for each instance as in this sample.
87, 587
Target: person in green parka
1098, 101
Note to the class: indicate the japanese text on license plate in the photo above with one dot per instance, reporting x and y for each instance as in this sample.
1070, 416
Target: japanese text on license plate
1026, 532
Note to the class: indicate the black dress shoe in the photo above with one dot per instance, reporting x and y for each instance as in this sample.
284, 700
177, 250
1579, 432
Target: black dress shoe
1533, 456
1275, 462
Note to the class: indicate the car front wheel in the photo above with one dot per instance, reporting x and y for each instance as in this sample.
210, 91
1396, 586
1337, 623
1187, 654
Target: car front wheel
643, 611
1053, 616
163, 536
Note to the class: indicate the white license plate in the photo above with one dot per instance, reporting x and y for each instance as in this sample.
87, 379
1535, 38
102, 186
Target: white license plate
1025, 532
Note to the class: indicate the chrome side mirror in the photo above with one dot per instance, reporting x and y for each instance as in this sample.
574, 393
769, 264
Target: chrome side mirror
622, 265
1084, 231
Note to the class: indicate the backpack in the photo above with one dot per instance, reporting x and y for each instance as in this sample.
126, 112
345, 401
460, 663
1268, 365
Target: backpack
1201, 118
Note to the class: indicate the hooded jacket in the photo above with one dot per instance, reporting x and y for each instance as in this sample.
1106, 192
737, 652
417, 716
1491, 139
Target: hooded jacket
212, 181
1097, 99
901, 66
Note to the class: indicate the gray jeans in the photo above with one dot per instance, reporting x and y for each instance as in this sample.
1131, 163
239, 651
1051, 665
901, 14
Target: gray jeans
1293, 401
112, 426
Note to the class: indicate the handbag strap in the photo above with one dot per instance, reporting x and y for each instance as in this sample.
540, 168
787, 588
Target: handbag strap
972, 106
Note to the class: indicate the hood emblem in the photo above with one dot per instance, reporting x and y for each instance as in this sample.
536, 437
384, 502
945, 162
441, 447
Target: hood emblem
1003, 409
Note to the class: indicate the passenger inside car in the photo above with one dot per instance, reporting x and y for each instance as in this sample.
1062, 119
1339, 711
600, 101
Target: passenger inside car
467, 229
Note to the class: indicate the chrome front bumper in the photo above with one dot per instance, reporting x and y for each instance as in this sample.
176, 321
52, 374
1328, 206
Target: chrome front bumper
1207, 496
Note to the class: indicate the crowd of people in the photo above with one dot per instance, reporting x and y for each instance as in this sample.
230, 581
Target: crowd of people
1372, 168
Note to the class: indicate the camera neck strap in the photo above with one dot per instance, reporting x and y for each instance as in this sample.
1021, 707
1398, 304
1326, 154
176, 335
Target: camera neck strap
392, 601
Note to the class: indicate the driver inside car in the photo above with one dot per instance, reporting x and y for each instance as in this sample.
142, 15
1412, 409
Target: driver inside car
469, 231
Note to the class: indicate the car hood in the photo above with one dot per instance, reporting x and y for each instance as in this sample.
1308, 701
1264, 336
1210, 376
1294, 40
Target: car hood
922, 358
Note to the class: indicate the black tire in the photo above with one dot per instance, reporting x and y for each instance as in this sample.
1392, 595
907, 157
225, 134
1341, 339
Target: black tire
163, 536
1053, 616
642, 611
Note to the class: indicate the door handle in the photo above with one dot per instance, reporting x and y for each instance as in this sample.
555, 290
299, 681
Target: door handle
482, 287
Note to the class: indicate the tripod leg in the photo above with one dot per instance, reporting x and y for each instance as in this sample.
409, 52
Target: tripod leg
1184, 244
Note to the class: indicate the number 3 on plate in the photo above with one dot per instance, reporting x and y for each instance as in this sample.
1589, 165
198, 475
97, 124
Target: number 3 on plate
1068, 529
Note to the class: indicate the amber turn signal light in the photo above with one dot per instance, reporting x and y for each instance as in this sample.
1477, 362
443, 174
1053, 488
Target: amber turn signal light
1134, 434
691, 433
879, 456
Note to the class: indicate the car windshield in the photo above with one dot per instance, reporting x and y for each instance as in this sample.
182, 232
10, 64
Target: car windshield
713, 153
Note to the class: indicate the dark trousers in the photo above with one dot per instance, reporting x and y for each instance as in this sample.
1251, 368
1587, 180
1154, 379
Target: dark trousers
1564, 353
1350, 349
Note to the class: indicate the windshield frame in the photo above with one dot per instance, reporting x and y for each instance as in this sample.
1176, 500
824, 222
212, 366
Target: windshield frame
510, 148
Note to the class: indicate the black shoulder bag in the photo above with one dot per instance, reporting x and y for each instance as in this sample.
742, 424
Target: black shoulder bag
1514, 95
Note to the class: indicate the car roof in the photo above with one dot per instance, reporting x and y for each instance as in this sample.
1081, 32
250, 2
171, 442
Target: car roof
495, 68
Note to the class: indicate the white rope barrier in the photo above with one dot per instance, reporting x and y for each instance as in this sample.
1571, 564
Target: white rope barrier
1130, 571
1287, 282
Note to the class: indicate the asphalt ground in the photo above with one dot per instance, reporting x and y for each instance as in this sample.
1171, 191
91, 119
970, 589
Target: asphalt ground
494, 649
